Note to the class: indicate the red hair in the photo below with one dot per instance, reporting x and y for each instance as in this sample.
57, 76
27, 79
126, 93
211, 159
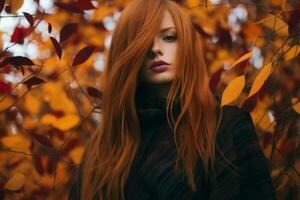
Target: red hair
111, 150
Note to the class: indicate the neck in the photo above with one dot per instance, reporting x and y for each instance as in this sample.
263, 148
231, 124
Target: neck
157, 91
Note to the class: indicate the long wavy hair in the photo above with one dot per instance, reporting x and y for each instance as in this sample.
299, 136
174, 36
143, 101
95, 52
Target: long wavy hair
111, 150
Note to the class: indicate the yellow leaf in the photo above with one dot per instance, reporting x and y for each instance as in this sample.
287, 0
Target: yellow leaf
17, 143
297, 105
241, 59
32, 104
6, 103
192, 3
66, 122
49, 119
260, 79
15, 183
275, 23
233, 90
57, 98
76, 154
292, 53
15, 5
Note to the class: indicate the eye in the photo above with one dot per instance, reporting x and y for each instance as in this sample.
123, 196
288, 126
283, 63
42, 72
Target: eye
170, 38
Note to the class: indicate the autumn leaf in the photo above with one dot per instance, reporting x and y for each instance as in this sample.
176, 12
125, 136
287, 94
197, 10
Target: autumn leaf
260, 79
2, 2
33, 81
293, 21
57, 47
4, 87
41, 139
16, 182
20, 60
243, 58
19, 34
233, 90
83, 5
215, 79
292, 52
83, 55
15, 5
6, 103
76, 154
93, 92
29, 18
68, 7
16, 143
67, 31
296, 107
66, 122
49, 28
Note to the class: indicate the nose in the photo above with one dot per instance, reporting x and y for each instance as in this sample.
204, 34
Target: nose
155, 50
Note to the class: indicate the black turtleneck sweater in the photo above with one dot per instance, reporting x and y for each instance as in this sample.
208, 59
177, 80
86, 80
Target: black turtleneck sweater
153, 176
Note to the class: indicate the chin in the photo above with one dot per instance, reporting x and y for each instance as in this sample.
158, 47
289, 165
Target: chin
160, 81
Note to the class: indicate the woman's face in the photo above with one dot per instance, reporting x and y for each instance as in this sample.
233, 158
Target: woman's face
164, 49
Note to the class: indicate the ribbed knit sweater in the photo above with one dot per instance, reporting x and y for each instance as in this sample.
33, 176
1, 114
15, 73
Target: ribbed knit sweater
153, 176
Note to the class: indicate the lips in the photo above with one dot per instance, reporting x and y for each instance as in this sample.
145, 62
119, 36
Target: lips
158, 63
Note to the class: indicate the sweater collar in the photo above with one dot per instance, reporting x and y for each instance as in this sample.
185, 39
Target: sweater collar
150, 113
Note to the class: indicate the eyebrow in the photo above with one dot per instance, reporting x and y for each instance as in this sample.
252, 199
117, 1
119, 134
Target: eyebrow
165, 29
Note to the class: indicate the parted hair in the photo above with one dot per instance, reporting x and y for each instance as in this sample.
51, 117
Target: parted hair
111, 149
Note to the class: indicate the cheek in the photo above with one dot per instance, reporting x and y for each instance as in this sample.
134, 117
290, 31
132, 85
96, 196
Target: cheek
172, 52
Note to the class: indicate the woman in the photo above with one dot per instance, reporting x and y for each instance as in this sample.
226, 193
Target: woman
158, 138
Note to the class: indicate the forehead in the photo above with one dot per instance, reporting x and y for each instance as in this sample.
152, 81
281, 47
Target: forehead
167, 22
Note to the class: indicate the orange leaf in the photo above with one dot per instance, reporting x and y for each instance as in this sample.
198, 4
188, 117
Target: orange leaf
297, 105
16, 182
17, 143
292, 53
76, 154
241, 59
67, 122
260, 79
233, 90
15, 5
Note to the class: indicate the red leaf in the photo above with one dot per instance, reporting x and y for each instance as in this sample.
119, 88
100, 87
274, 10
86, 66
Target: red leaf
4, 62
5, 70
57, 47
42, 139
70, 145
68, 7
83, 55
20, 60
93, 92
4, 87
49, 28
19, 34
33, 81
7, 9
67, 31
84, 5
51, 167
38, 164
294, 21
2, 2
199, 29
215, 79
224, 36
29, 18
287, 147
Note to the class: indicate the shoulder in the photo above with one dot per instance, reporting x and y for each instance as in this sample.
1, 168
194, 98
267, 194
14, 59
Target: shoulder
235, 123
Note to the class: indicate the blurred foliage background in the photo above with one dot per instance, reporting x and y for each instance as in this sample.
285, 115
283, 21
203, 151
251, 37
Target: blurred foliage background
52, 55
